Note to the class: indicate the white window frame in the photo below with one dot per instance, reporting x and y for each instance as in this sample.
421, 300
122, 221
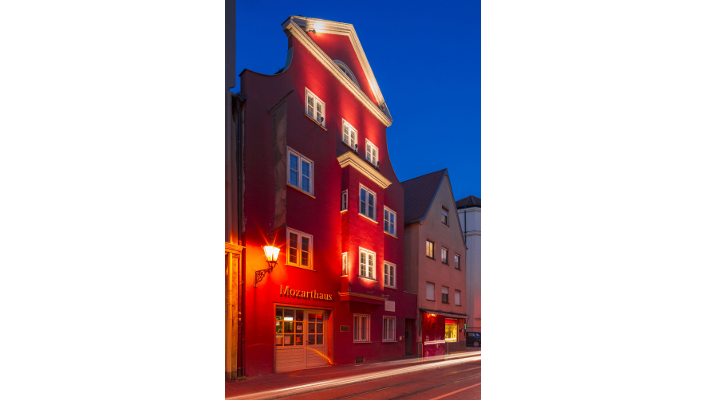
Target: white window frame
444, 260
458, 262
344, 264
367, 203
352, 134
300, 234
433, 286
358, 328
344, 200
316, 100
387, 222
374, 156
387, 322
387, 282
457, 297
367, 253
300, 162
447, 294
444, 216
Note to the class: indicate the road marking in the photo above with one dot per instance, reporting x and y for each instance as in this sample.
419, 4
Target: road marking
460, 390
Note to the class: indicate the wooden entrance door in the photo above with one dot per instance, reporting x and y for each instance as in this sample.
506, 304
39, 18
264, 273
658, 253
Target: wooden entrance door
300, 339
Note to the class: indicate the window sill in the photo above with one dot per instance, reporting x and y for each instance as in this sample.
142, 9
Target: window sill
306, 193
389, 234
368, 218
350, 147
389, 341
354, 342
342, 211
445, 263
344, 276
427, 256
300, 267
445, 302
366, 278
314, 121
390, 287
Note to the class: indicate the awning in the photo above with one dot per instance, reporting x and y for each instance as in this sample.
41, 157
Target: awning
444, 313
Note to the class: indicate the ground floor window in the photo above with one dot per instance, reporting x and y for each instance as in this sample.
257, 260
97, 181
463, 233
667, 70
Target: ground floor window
451, 330
289, 327
388, 329
361, 328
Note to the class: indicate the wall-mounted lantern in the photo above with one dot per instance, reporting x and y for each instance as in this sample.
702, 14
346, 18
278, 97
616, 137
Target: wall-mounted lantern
271, 254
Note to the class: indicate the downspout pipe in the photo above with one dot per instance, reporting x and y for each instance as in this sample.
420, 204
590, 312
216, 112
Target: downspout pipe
241, 229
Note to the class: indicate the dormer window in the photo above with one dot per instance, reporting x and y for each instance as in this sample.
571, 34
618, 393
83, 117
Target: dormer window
346, 71
315, 108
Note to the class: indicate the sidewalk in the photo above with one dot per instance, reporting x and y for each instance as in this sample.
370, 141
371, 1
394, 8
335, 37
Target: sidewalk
288, 383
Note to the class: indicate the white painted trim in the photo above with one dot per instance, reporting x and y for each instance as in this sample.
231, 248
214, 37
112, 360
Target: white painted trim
375, 262
394, 336
377, 159
353, 143
375, 205
344, 66
386, 208
306, 106
383, 274
299, 249
299, 171
354, 160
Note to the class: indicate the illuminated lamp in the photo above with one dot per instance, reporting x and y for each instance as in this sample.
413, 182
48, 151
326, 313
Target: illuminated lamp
271, 254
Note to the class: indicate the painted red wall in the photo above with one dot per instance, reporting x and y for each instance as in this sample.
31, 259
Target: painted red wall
333, 232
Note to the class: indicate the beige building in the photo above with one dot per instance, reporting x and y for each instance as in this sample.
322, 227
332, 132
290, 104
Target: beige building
469, 216
233, 250
435, 266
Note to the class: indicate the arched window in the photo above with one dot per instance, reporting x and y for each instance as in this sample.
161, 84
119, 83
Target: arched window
346, 71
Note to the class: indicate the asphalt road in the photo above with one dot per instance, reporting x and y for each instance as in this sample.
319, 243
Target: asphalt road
461, 381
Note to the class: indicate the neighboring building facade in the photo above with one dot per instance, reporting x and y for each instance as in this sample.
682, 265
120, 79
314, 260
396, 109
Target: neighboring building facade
434, 259
233, 203
469, 215
321, 188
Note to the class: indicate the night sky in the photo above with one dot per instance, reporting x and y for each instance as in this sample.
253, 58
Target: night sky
426, 59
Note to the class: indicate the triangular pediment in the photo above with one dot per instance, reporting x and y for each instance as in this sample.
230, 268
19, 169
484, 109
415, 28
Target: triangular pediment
338, 41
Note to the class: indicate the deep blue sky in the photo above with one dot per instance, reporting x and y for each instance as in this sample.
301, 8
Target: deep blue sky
426, 59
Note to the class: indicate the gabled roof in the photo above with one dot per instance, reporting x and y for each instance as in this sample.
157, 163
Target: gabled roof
298, 25
419, 193
470, 201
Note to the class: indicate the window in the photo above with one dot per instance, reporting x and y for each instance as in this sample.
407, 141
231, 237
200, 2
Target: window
346, 71
371, 152
299, 249
451, 330
430, 249
430, 291
367, 203
361, 328
457, 260
458, 297
289, 327
315, 108
344, 269
367, 263
444, 216
301, 172
388, 329
444, 255
344, 200
445, 294
390, 275
350, 135
390, 222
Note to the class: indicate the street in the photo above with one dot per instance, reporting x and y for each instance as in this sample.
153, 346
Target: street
460, 380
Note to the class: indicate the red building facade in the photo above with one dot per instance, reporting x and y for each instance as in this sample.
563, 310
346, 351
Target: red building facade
319, 185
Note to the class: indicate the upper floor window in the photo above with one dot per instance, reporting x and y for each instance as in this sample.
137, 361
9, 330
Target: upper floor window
444, 215
299, 249
350, 134
367, 202
344, 269
301, 172
367, 263
430, 291
315, 108
430, 249
457, 261
371, 152
346, 71
458, 297
444, 255
390, 222
390, 275
445, 294
344, 200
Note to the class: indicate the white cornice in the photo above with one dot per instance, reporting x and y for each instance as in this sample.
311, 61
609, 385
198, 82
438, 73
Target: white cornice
354, 160
297, 26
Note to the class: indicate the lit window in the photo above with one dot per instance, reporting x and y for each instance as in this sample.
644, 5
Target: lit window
367, 203
444, 216
445, 294
390, 222
457, 259
367, 263
315, 108
430, 291
350, 135
299, 249
444, 255
371, 152
458, 297
344, 200
451, 330
301, 172
430, 249
344, 269
361, 328
388, 329
390, 275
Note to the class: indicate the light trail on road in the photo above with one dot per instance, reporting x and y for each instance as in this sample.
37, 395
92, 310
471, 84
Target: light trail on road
331, 383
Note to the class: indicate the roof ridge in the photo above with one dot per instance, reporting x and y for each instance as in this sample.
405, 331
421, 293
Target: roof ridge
420, 176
